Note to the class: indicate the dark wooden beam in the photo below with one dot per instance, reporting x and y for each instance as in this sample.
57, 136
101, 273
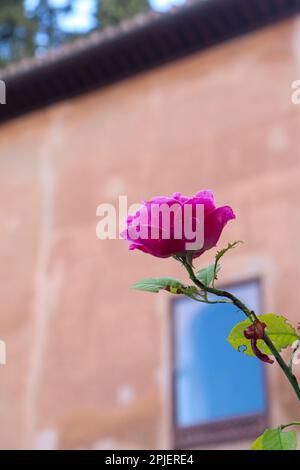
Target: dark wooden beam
146, 43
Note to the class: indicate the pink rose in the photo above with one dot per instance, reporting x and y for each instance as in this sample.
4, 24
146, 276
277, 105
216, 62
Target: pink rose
151, 233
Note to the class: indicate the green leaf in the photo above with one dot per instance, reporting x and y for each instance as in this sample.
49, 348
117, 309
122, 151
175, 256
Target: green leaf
230, 246
257, 444
190, 291
157, 284
279, 330
276, 439
208, 275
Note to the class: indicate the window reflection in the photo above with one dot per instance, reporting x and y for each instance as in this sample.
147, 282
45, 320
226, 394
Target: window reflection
212, 380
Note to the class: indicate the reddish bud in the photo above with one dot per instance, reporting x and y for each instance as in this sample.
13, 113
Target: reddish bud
255, 332
263, 357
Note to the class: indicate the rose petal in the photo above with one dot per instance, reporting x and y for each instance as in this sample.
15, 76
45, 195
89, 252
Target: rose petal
214, 224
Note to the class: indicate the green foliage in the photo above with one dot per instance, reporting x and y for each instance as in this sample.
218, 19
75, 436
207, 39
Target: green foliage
278, 329
157, 284
257, 444
276, 439
208, 275
21, 30
46, 17
165, 283
16, 32
222, 252
113, 11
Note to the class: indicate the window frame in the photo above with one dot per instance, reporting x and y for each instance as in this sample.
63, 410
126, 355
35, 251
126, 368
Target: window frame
221, 431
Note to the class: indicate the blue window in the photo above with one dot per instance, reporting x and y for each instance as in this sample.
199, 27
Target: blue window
213, 383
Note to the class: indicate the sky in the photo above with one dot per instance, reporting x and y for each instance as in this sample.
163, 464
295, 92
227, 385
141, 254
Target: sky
81, 20
165, 5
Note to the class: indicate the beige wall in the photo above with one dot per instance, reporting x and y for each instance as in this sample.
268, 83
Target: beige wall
87, 357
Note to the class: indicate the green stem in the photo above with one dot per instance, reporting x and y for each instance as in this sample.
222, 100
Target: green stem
293, 423
287, 371
209, 301
251, 315
219, 293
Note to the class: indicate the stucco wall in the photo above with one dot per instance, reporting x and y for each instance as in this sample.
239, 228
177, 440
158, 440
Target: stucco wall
87, 359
